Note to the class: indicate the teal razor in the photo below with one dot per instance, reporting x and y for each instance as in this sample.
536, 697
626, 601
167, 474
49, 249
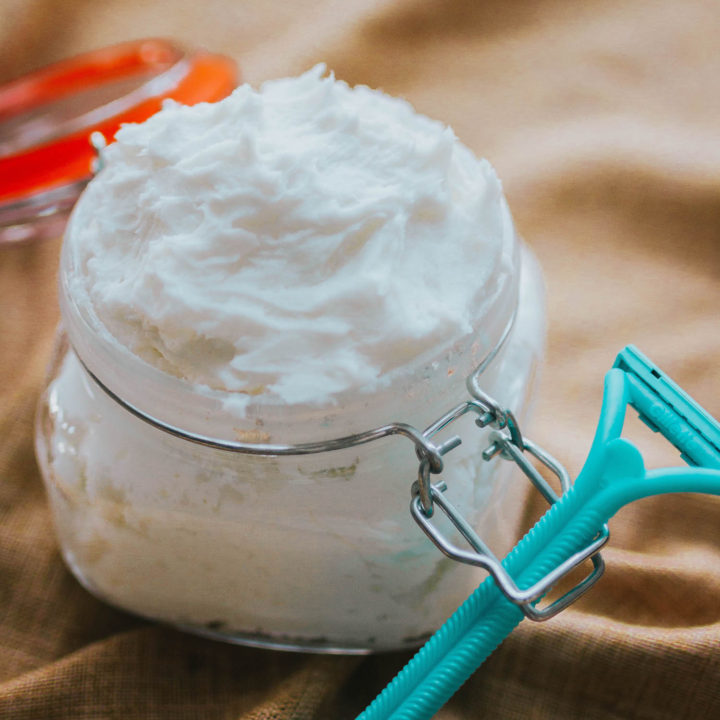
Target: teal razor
571, 531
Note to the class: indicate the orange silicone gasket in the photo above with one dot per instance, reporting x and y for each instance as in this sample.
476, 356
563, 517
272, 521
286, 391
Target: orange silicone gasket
68, 159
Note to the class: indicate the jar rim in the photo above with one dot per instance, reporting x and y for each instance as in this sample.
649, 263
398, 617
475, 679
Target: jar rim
421, 438
226, 416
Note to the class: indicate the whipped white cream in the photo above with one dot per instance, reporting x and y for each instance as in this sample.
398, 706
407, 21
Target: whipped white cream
291, 242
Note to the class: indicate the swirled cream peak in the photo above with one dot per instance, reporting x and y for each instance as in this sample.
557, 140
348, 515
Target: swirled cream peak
288, 243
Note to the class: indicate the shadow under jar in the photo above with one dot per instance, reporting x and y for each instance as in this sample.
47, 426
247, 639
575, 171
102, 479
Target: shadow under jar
310, 552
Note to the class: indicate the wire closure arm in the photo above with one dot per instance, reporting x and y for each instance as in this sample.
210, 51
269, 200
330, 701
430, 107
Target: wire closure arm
484, 558
430, 454
505, 444
423, 446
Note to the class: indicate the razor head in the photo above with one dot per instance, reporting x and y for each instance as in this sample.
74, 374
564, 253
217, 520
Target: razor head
666, 408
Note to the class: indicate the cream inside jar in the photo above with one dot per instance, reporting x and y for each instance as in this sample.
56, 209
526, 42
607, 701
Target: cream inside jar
288, 265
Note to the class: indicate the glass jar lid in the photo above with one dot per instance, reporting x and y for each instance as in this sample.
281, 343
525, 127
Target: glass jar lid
46, 118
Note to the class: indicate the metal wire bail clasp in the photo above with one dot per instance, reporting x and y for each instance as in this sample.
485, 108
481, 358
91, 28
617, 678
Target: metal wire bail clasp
486, 415
507, 442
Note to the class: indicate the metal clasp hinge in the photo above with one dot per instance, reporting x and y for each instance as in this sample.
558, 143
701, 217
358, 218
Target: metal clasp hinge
509, 444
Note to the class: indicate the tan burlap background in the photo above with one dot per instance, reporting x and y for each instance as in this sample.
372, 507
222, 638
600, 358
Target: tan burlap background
603, 119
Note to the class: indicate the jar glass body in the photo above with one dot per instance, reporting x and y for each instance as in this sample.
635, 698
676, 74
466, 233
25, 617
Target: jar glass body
315, 552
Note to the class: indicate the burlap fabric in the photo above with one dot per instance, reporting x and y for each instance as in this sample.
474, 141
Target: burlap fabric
603, 119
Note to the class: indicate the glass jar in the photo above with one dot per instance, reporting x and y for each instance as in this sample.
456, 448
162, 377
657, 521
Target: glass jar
312, 551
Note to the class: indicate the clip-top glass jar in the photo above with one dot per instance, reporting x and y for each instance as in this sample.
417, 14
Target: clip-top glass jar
313, 551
